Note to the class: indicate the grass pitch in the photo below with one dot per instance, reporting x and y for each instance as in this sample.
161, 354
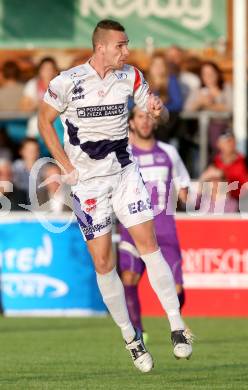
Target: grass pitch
63, 353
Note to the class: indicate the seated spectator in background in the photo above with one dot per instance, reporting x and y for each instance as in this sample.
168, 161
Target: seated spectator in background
29, 153
164, 84
79, 60
1, 78
28, 69
7, 190
231, 163
214, 94
212, 194
11, 89
168, 88
52, 195
189, 77
185, 68
7, 147
34, 91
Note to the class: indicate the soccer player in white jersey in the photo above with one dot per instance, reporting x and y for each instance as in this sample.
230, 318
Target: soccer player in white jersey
92, 101
166, 179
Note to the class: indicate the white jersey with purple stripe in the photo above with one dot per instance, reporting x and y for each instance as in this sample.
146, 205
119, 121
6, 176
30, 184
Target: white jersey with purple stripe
94, 113
161, 169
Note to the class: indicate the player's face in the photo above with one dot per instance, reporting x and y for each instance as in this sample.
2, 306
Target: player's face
115, 49
142, 125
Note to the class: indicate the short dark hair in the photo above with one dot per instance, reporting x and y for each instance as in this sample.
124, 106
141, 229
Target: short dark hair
105, 24
11, 70
28, 140
218, 71
131, 114
45, 60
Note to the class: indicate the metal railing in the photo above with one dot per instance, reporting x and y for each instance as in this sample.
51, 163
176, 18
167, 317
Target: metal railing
203, 118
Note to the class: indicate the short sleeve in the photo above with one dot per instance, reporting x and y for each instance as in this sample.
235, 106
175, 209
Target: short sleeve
180, 173
141, 90
55, 95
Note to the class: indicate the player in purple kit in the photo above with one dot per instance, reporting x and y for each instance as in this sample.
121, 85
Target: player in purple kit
162, 169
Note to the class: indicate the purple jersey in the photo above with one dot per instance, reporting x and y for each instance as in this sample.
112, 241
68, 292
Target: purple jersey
160, 168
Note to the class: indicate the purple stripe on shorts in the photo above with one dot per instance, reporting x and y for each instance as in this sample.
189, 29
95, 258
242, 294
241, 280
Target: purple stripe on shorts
84, 219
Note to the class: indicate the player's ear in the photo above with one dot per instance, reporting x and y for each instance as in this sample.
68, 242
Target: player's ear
100, 48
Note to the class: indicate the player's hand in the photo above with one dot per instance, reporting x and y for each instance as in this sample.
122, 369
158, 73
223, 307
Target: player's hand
70, 177
154, 106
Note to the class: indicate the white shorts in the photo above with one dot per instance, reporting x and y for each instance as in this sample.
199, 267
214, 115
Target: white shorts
95, 200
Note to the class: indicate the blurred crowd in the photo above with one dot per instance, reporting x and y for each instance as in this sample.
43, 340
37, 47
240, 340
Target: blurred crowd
184, 82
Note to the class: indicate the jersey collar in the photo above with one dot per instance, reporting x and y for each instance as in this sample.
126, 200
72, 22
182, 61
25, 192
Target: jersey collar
92, 71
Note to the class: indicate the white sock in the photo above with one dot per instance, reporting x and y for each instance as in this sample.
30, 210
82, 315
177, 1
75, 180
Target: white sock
113, 294
162, 282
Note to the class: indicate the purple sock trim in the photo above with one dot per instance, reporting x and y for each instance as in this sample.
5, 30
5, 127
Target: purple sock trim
133, 306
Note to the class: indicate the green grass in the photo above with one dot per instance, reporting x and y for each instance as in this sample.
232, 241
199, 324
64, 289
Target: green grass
89, 354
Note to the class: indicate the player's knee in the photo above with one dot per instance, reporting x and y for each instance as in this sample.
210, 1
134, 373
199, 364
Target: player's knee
103, 264
148, 246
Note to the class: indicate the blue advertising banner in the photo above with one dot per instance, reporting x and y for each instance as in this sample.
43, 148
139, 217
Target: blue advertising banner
46, 273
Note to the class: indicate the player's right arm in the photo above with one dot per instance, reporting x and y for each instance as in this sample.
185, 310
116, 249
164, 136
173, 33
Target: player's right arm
46, 117
54, 103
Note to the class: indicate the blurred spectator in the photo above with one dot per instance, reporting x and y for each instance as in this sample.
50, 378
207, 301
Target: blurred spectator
214, 94
231, 163
212, 196
1, 77
34, 91
28, 69
167, 87
185, 68
11, 89
7, 148
29, 153
79, 60
14, 195
53, 196
164, 84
